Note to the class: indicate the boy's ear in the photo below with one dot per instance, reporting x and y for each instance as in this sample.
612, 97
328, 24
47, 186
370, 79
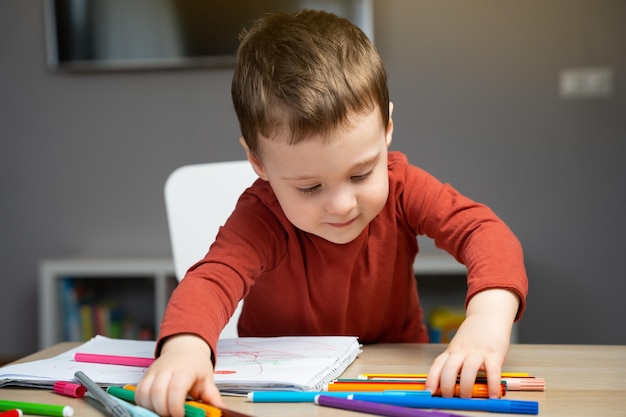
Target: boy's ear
389, 129
257, 166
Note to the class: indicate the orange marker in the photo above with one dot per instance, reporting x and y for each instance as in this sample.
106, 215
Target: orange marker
209, 410
479, 390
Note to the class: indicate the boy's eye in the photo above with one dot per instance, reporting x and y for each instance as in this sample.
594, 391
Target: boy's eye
309, 190
361, 177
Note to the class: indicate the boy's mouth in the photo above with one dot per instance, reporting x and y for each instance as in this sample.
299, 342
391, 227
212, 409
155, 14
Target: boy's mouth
343, 224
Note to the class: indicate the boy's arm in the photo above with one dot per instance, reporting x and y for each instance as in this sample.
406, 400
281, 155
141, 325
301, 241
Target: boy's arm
480, 344
184, 367
470, 231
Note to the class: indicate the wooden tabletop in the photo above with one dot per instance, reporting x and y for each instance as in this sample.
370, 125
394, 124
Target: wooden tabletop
581, 380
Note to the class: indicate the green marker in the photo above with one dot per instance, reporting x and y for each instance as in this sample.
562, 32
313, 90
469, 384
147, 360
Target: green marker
128, 395
38, 409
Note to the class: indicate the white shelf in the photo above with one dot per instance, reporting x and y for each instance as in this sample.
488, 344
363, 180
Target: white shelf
437, 264
441, 263
159, 270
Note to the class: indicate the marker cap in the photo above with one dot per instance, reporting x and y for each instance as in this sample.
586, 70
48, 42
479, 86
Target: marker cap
16, 412
69, 389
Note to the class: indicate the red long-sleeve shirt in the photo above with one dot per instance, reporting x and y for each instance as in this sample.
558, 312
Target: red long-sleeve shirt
296, 283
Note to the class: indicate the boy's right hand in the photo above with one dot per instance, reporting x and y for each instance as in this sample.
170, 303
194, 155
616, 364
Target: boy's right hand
184, 367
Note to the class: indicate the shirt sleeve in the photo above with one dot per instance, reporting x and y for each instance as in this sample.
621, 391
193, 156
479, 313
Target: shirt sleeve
469, 231
249, 242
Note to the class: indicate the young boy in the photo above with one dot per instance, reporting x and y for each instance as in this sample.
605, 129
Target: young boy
329, 228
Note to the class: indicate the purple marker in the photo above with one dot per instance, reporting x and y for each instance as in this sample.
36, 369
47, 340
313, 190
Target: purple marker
377, 408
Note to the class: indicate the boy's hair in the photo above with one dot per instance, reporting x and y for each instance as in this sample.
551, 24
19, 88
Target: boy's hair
305, 73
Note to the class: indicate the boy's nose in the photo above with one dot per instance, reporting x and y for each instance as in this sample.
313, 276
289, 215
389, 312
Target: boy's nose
342, 201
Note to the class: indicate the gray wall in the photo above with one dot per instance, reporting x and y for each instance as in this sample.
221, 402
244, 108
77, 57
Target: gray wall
83, 157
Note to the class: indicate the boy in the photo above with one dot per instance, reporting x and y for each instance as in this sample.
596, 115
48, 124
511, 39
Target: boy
329, 228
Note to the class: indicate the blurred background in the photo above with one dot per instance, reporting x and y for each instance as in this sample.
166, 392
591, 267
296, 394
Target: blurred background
519, 104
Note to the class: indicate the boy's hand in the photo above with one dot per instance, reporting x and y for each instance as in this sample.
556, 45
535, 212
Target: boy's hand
184, 367
480, 344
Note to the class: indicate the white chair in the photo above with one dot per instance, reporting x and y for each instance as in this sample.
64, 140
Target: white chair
198, 200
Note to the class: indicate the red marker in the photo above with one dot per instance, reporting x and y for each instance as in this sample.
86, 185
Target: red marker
11, 413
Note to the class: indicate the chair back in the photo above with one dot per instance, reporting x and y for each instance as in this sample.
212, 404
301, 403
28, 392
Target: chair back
198, 200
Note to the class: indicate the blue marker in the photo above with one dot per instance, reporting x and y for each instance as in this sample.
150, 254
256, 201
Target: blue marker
472, 404
309, 397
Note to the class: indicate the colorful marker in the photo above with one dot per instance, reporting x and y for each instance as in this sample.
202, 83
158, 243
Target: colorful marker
128, 395
134, 410
209, 410
471, 404
377, 408
113, 359
525, 384
521, 383
308, 396
479, 390
69, 389
480, 374
16, 412
52, 410
192, 404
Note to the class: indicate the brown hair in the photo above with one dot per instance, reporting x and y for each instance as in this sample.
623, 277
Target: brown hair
306, 72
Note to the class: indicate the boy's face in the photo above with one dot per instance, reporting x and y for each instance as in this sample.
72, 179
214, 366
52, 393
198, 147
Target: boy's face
330, 188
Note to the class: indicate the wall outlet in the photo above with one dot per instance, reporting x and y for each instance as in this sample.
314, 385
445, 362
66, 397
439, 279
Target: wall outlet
592, 82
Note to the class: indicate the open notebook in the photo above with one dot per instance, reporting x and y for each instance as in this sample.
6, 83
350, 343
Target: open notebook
298, 363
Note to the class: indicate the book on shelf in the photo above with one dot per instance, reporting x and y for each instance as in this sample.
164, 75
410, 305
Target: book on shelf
86, 315
443, 322
298, 363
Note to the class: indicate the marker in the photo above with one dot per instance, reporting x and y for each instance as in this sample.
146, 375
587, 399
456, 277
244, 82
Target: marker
520, 384
525, 384
512, 384
16, 412
479, 390
52, 410
307, 396
377, 408
113, 359
196, 405
471, 404
480, 374
134, 410
112, 406
69, 389
128, 395
208, 409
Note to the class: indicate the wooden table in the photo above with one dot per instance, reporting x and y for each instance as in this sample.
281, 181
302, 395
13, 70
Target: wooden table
581, 380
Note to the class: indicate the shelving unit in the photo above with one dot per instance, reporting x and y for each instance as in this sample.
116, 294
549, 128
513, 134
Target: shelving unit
442, 281
144, 286
441, 284
141, 288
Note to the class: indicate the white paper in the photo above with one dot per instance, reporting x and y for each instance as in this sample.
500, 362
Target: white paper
301, 363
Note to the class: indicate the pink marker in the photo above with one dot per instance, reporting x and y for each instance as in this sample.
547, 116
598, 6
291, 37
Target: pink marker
113, 359
69, 389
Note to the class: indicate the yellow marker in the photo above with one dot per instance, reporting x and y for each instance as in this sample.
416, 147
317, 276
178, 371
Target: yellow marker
400, 376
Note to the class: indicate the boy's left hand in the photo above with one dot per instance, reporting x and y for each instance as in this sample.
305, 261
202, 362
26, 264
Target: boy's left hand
480, 344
